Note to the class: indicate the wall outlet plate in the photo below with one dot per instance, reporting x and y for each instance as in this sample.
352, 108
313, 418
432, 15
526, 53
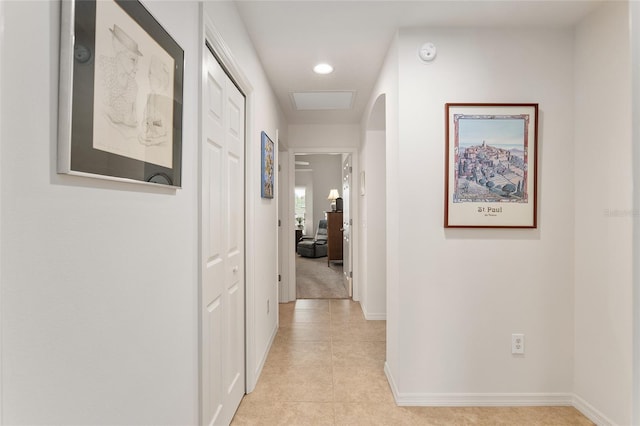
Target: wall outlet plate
517, 344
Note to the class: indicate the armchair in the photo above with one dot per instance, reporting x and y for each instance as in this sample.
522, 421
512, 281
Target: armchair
314, 246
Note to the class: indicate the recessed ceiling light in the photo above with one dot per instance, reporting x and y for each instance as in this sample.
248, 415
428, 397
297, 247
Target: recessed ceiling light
323, 69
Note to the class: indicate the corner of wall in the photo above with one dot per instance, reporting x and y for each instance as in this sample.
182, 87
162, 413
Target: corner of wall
590, 412
606, 315
634, 17
2, 61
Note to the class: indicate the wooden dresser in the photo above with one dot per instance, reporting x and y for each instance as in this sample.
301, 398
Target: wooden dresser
334, 236
298, 236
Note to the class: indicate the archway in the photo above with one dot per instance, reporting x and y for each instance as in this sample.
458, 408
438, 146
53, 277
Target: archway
373, 201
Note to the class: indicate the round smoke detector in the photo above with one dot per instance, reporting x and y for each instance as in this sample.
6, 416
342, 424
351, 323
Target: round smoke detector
427, 52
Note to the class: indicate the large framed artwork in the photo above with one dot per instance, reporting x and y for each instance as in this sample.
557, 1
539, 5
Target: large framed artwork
121, 79
268, 161
491, 165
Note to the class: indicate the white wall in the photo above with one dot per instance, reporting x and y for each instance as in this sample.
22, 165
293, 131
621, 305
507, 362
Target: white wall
360, 258
2, 42
463, 292
323, 136
285, 233
99, 279
372, 198
634, 8
604, 214
374, 226
262, 236
387, 85
326, 174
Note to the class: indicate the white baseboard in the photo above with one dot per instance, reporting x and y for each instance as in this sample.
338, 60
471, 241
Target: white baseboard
477, 399
392, 382
496, 399
486, 399
591, 412
263, 360
379, 316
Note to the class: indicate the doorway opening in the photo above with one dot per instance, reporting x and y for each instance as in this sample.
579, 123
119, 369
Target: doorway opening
319, 204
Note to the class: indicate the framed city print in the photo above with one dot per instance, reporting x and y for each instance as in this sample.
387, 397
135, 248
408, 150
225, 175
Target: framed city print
120, 103
491, 165
267, 171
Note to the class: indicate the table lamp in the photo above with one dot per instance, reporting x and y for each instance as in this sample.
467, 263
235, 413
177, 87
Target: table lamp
333, 195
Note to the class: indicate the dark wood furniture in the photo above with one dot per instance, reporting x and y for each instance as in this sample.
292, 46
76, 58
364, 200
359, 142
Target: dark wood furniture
298, 235
334, 242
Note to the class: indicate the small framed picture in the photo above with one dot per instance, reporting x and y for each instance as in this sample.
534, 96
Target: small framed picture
267, 168
121, 82
491, 165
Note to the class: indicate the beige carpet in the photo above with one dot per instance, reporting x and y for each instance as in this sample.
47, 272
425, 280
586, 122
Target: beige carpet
316, 280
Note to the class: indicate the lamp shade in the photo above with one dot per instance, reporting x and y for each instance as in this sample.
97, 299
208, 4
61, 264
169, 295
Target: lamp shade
333, 194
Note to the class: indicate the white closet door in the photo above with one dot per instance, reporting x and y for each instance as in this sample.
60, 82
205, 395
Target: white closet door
223, 308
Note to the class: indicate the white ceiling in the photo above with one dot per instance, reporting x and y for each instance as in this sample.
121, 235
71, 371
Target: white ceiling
291, 37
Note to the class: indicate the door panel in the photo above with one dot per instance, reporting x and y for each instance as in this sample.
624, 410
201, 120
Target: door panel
214, 214
346, 226
223, 309
212, 322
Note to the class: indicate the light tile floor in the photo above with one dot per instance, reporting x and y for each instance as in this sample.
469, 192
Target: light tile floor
326, 368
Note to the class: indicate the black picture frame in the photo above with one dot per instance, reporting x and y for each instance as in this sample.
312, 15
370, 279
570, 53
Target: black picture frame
121, 94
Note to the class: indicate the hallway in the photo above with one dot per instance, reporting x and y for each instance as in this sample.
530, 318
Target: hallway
326, 368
